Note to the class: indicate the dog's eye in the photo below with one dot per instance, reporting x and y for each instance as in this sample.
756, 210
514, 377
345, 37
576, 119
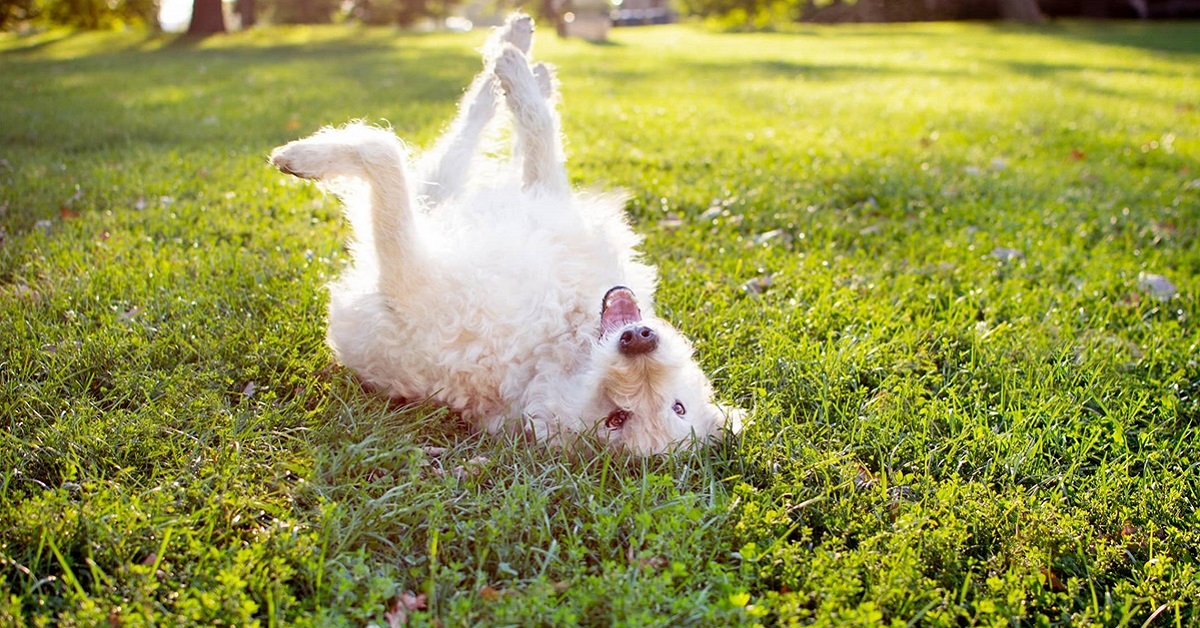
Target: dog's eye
616, 419
678, 408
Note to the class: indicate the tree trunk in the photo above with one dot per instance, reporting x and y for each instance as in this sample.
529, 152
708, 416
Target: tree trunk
1026, 11
207, 18
247, 11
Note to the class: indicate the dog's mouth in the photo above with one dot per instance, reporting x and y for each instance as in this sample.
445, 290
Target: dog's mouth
618, 310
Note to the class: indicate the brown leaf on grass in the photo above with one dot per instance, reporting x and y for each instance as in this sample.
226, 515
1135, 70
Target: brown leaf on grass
490, 594
1131, 300
864, 479
375, 475
66, 213
1052, 580
899, 494
644, 563
400, 606
468, 469
471, 468
1077, 154
330, 371
23, 290
758, 285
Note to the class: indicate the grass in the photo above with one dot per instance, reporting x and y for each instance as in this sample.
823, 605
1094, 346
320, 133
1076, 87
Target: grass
929, 257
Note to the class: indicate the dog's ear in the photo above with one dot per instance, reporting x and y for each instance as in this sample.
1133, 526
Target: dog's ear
734, 417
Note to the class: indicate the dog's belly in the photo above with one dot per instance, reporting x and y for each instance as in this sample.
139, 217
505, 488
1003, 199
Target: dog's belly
465, 350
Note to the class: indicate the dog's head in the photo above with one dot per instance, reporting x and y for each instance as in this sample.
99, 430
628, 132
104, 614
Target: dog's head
651, 395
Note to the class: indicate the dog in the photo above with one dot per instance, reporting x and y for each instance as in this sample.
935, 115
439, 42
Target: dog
513, 300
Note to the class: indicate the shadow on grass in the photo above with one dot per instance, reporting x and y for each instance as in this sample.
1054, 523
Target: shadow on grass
36, 43
1169, 37
258, 94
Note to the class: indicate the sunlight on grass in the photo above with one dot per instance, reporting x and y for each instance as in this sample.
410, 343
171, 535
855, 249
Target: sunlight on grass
951, 267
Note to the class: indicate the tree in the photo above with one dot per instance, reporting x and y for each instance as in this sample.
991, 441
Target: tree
1021, 11
304, 11
401, 12
208, 18
13, 12
247, 11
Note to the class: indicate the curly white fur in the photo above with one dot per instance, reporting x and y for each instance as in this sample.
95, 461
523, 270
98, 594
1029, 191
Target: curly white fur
487, 295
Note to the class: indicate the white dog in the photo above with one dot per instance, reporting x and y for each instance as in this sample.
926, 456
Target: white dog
510, 300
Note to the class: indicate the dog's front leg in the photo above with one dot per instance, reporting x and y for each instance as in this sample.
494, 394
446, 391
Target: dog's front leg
539, 148
445, 169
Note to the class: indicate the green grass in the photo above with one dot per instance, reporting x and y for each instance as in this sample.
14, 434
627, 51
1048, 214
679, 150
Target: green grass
922, 254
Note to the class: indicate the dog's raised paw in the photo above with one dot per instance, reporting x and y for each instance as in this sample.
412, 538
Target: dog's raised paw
546, 79
511, 67
295, 159
518, 31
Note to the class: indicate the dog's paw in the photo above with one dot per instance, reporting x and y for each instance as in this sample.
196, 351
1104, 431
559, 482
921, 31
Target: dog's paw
518, 31
547, 80
512, 69
302, 158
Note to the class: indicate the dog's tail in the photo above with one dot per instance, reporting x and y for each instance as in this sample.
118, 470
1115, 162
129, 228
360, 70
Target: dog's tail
377, 157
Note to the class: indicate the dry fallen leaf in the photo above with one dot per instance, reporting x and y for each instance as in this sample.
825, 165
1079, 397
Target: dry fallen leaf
758, 285
864, 479
491, 594
1052, 580
399, 607
1157, 286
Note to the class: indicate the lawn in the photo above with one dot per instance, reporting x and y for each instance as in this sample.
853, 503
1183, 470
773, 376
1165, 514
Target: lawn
953, 269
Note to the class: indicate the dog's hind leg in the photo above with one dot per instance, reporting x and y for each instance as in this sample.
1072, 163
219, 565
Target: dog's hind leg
539, 148
377, 157
444, 170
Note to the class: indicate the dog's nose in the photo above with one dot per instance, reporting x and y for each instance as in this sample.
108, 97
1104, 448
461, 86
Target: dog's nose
637, 340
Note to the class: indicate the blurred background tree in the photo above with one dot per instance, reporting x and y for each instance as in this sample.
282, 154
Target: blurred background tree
208, 16
87, 14
14, 12
401, 12
302, 11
